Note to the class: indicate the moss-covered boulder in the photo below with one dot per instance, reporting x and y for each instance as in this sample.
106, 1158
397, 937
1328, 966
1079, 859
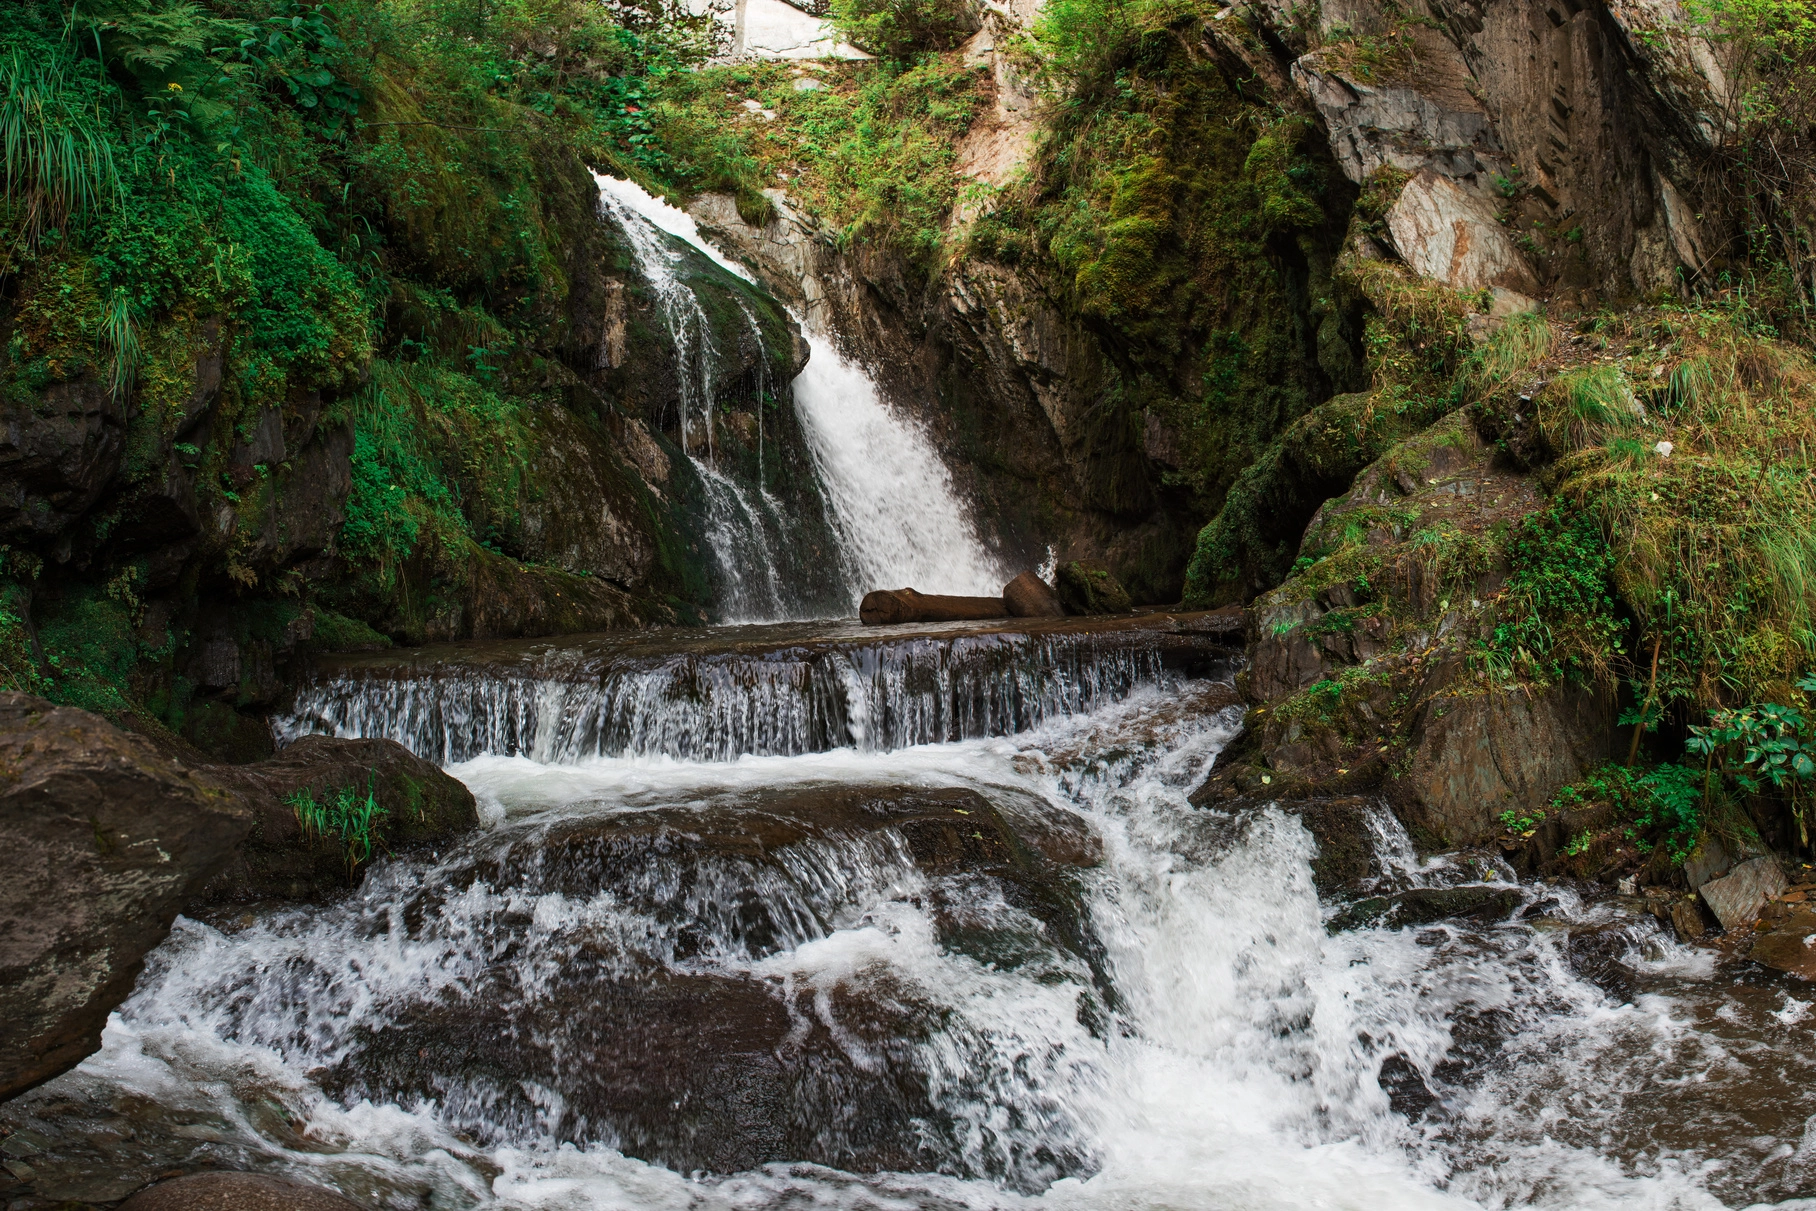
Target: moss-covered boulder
1380, 664
1088, 589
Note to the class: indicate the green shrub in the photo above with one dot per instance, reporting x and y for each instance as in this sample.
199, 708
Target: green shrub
901, 29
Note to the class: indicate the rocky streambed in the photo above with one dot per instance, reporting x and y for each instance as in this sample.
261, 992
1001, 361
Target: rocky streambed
1007, 964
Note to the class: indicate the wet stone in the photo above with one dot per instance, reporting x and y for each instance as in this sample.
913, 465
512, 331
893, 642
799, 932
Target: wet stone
1787, 939
1424, 905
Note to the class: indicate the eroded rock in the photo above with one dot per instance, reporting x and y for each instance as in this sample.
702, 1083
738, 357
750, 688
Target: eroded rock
106, 841
1451, 236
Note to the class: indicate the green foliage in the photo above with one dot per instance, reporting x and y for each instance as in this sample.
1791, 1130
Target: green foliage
339, 633
1662, 805
436, 457
356, 821
1766, 744
1558, 616
900, 29
870, 150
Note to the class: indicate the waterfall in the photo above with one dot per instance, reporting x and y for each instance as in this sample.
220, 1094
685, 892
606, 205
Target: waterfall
893, 503
895, 513
609, 698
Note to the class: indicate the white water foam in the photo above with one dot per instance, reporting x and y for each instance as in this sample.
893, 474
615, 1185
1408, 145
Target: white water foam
1241, 1070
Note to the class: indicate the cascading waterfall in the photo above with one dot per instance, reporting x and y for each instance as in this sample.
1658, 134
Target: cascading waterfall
894, 510
893, 503
759, 694
792, 958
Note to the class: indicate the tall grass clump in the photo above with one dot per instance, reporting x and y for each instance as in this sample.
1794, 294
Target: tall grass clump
58, 157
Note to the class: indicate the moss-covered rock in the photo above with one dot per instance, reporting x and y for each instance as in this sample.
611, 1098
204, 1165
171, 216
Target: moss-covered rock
1087, 589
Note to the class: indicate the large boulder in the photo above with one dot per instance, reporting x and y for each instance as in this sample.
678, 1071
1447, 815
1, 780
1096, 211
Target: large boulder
106, 841
283, 858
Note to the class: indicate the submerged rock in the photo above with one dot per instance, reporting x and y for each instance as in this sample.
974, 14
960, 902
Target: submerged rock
1087, 589
281, 859
106, 841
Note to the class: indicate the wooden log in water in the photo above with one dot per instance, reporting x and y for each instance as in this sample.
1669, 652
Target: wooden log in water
885, 607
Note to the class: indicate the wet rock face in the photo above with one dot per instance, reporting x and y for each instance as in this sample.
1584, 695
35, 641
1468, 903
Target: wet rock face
715, 1037
280, 860
236, 1192
106, 842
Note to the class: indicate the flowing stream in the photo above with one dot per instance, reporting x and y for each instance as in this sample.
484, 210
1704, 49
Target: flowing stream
1008, 968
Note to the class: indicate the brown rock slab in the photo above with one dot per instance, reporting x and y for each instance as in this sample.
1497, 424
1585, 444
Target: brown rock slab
105, 842
236, 1192
423, 806
1737, 897
1788, 942
1028, 596
887, 607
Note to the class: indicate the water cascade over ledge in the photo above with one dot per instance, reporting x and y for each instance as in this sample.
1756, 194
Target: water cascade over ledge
766, 691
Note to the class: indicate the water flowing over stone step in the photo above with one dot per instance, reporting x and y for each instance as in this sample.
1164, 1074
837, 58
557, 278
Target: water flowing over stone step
779, 690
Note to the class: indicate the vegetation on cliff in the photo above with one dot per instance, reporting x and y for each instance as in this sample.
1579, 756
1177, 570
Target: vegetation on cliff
244, 242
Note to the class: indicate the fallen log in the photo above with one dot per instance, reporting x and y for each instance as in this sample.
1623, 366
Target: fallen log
886, 607
1028, 596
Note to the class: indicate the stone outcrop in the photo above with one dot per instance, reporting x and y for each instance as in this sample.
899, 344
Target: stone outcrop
281, 859
1573, 129
1364, 679
106, 841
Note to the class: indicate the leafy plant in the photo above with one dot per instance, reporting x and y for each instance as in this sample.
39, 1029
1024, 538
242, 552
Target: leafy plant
353, 819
